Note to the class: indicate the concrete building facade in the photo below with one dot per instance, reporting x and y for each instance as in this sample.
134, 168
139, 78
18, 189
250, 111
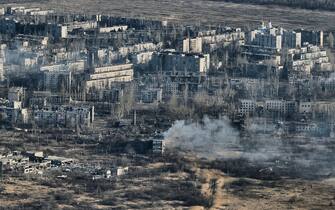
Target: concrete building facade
105, 77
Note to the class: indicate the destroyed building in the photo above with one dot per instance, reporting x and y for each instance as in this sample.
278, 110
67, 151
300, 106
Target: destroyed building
65, 116
183, 71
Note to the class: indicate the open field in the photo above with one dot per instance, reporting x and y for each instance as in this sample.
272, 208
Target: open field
305, 4
172, 182
166, 186
197, 11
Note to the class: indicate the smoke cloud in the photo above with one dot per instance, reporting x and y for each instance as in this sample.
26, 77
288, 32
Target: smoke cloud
217, 139
209, 138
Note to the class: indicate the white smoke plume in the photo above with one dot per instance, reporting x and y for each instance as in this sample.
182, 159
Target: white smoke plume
216, 139
206, 139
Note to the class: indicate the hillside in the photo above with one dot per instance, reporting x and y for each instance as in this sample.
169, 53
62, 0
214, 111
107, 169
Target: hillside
197, 11
304, 4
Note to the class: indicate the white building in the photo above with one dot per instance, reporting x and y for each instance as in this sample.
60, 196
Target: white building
142, 58
192, 45
2, 11
112, 29
40, 12
267, 36
227, 36
84, 25
105, 77
137, 48
307, 58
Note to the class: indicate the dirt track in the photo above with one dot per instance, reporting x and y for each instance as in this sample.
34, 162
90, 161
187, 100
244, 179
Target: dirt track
198, 11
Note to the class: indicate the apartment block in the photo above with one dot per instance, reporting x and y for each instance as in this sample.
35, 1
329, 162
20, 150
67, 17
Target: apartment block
105, 77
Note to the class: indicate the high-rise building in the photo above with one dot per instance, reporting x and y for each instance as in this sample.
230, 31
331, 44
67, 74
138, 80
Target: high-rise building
192, 45
312, 37
181, 70
277, 38
291, 39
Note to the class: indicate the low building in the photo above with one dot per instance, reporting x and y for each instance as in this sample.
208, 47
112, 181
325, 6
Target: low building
273, 106
305, 107
138, 48
30, 162
112, 29
158, 146
85, 25
121, 171
59, 161
41, 12
150, 95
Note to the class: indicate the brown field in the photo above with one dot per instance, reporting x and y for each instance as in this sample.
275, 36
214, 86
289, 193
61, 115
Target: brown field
172, 182
198, 11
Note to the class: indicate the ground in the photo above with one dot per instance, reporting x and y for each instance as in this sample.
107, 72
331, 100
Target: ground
156, 187
174, 181
197, 11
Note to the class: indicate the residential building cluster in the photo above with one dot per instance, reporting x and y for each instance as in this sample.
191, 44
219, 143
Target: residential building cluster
61, 70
